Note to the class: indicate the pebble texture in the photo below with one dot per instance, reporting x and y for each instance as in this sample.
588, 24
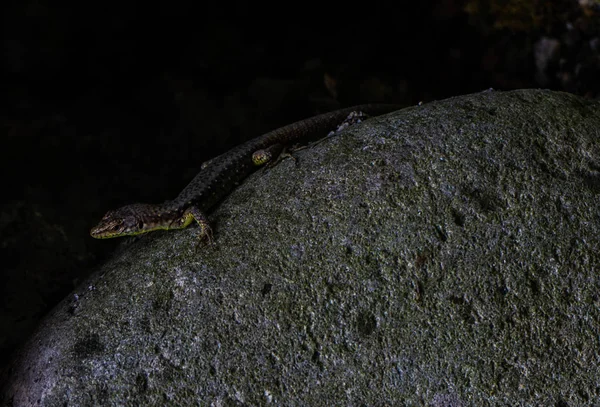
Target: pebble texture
442, 255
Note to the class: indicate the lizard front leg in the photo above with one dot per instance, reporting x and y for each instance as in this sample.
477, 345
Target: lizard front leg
191, 214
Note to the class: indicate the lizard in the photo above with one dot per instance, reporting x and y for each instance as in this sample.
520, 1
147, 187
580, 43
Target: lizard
218, 177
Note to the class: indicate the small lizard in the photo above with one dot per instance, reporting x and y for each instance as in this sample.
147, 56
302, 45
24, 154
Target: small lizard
218, 177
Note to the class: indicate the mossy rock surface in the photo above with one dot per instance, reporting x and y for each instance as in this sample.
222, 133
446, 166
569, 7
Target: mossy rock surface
445, 254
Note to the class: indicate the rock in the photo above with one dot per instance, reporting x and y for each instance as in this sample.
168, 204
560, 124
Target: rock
445, 254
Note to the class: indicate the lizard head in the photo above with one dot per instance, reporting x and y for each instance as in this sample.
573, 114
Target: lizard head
132, 219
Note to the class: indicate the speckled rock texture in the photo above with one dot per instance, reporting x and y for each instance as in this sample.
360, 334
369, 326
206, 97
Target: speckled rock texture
442, 255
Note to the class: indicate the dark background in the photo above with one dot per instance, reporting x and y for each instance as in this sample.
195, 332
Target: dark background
119, 104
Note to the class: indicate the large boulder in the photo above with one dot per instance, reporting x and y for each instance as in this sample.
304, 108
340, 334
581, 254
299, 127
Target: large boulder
445, 254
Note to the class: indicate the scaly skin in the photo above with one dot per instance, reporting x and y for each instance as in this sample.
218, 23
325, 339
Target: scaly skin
218, 177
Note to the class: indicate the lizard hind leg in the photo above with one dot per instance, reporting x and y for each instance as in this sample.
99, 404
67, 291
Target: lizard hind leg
352, 119
266, 155
355, 117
